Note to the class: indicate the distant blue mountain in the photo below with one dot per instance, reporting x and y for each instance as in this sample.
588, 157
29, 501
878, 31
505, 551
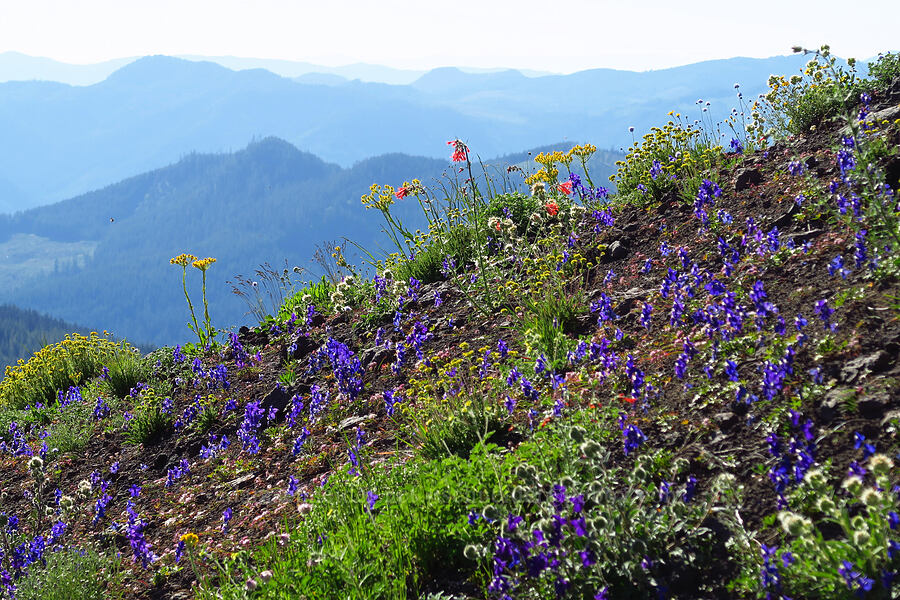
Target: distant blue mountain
15, 66
62, 140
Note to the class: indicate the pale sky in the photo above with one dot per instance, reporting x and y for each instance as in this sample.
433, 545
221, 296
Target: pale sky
420, 34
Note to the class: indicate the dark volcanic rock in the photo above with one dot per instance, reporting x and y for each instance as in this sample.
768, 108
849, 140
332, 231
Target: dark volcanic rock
278, 397
863, 365
746, 178
617, 250
300, 345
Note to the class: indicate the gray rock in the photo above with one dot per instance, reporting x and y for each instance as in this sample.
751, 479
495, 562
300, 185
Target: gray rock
890, 113
788, 217
376, 354
278, 397
804, 236
890, 416
863, 365
624, 301
299, 346
617, 250
354, 421
241, 482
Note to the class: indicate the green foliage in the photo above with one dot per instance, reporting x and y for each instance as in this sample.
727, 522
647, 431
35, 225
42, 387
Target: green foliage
830, 530
149, 422
630, 515
824, 89
545, 324
672, 159
413, 535
518, 206
456, 427
73, 425
316, 293
56, 367
454, 242
74, 574
124, 371
884, 70
208, 417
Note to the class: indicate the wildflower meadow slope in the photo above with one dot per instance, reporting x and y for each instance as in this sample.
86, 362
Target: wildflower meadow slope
687, 388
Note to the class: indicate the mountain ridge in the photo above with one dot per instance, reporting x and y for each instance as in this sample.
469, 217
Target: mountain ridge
61, 141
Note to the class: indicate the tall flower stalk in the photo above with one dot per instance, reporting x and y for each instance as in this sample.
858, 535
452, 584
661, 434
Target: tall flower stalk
182, 260
206, 334
203, 264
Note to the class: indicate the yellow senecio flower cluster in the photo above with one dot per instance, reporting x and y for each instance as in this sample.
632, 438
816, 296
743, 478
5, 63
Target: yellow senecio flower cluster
203, 263
56, 367
548, 161
380, 197
182, 260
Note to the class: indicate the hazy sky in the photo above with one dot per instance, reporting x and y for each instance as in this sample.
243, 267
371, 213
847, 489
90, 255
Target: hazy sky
532, 34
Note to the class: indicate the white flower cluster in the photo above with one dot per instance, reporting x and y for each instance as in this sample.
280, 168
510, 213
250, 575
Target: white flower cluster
339, 297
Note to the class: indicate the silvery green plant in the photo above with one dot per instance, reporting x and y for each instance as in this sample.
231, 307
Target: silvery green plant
845, 542
600, 530
39, 508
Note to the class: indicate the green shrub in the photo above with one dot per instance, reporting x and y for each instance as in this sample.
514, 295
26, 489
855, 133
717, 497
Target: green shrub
73, 574
884, 70
672, 159
517, 206
631, 530
412, 536
832, 534
150, 422
427, 266
317, 294
794, 105
56, 367
455, 429
124, 371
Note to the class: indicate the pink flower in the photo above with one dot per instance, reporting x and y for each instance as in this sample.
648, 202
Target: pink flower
460, 151
565, 188
401, 193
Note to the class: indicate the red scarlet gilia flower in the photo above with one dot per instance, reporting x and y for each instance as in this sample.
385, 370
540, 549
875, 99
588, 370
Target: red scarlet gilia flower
460, 151
565, 188
401, 193
552, 208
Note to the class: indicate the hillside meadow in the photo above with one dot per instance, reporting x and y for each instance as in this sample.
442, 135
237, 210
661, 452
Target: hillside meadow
686, 389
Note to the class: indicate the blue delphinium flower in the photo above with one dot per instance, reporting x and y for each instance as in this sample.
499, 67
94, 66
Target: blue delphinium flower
855, 580
226, 518
298, 443
845, 160
860, 253
631, 434
646, 312
836, 266
796, 168
824, 312
859, 441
